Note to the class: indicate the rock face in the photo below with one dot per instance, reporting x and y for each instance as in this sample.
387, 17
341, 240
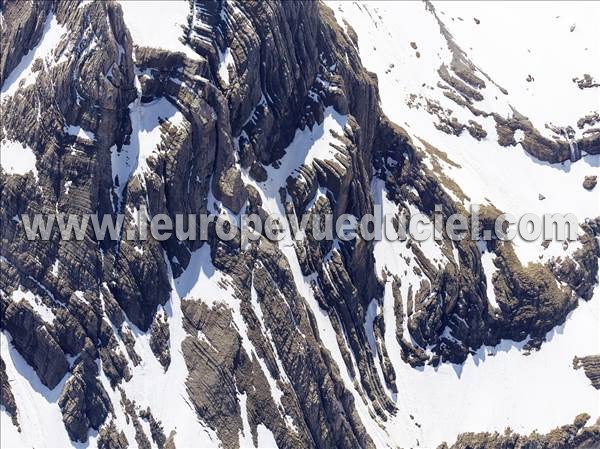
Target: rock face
591, 367
284, 339
573, 436
590, 182
35, 342
84, 402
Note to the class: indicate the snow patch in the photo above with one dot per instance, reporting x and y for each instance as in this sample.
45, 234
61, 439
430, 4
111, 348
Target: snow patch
308, 145
54, 269
16, 158
487, 264
225, 62
80, 133
158, 24
36, 303
146, 136
22, 75
265, 437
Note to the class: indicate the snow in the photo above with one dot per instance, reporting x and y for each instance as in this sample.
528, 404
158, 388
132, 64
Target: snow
146, 136
201, 280
371, 314
84, 3
39, 415
245, 434
552, 54
22, 75
36, 303
225, 61
507, 177
55, 267
17, 158
539, 391
158, 24
308, 145
487, 263
165, 391
80, 133
266, 439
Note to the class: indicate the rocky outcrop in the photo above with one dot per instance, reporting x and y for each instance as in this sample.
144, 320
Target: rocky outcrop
462, 81
34, 340
573, 436
591, 367
159, 340
129, 407
586, 81
84, 402
25, 30
156, 428
259, 358
109, 437
590, 182
7, 400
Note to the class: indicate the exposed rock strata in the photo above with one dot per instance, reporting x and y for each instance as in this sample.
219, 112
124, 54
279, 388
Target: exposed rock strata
591, 367
291, 63
572, 436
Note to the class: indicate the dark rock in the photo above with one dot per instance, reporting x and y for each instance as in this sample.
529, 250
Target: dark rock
156, 428
476, 130
586, 81
573, 436
590, 182
7, 400
35, 341
129, 407
159, 340
591, 367
84, 402
109, 437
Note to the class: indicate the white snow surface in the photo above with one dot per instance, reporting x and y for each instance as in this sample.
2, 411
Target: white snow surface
80, 133
22, 75
35, 301
541, 44
146, 136
487, 262
17, 158
265, 437
158, 24
39, 415
225, 61
507, 177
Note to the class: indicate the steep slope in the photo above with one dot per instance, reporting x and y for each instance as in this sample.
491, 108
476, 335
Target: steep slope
266, 108
428, 84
